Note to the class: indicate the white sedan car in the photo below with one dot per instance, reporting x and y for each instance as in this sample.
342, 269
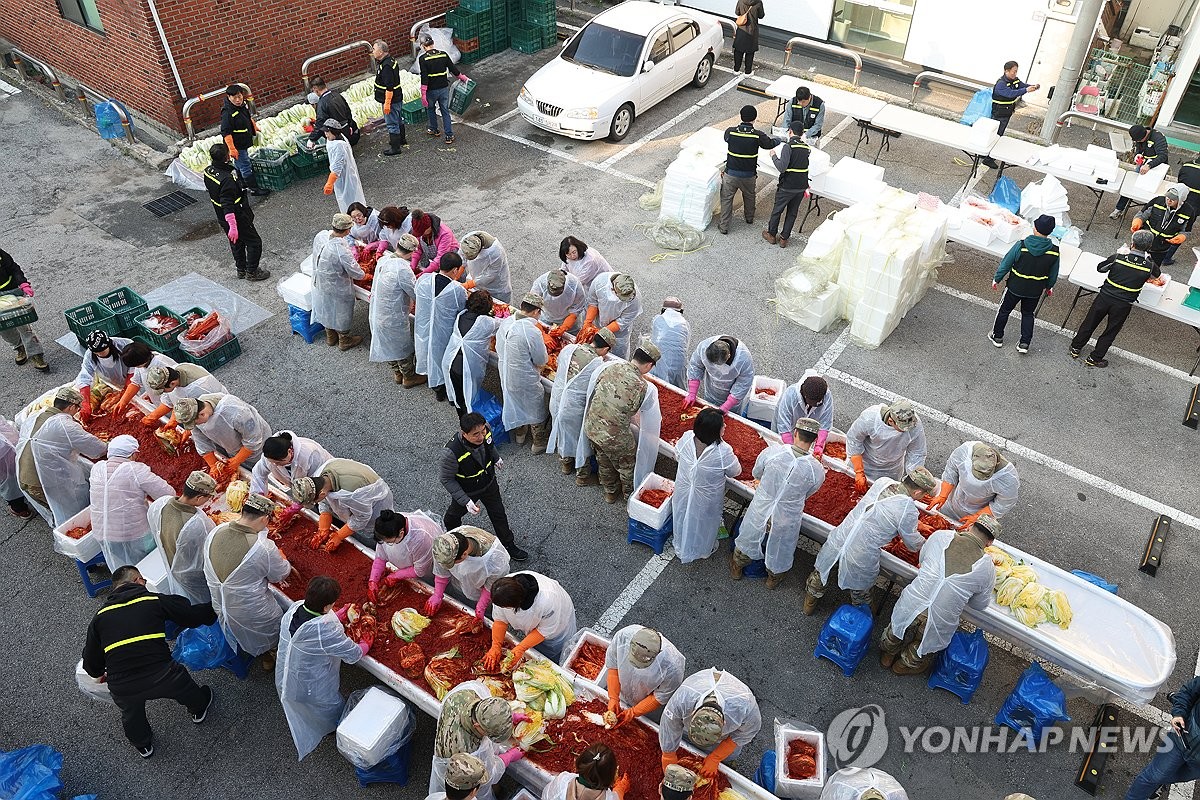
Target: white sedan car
619, 65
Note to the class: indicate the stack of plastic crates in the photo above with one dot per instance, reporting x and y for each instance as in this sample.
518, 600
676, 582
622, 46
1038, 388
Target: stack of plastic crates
542, 15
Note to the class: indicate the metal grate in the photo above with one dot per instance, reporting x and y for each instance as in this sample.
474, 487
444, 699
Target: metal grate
1123, 84
169, 203
549, 110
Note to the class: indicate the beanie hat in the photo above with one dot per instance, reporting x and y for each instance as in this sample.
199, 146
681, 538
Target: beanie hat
1044, 224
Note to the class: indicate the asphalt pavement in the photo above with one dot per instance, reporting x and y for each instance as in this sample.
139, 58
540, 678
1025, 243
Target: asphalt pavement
1114, 451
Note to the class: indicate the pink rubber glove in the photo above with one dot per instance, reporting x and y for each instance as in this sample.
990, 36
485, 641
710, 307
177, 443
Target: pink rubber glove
365, 646
401, 574
729, 403
693, 390
342, 613
819, 446
439, 591
380, 246
787, 437
378, 567
233, 231
425, 96
515, 754
485, 600
520, 717
463, 77
27, 289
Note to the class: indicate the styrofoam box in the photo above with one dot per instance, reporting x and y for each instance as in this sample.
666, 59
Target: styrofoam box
83, 549
647, 514
585, 635
306, 266
819, 163
364, 735
822, 312
861, 170
764, 408
154, 569
851, 188
972, 232
1194, 280
787, 787
1008, 233
1152, 295
296, 290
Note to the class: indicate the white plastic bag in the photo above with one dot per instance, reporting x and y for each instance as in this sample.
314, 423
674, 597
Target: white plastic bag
91, 687
209, 341
443, 39
853, 783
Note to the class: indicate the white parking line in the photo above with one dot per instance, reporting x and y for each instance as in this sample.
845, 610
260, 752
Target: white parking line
666, 126
1050, 326
633, 592
506, 115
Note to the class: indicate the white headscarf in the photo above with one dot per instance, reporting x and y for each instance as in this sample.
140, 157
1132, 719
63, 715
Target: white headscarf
122, 446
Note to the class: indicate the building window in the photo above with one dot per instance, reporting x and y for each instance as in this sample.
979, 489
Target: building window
82, 12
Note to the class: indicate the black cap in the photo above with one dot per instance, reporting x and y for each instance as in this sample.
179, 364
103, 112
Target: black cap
749, 113
1137, 132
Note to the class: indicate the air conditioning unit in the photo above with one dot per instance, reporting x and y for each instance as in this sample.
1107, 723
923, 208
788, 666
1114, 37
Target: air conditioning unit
1064, 8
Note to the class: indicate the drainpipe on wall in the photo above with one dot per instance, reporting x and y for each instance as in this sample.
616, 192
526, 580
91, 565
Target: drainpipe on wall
162, 37
1077, 54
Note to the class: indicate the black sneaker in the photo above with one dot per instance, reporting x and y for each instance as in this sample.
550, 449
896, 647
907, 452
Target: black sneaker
198, 718
1074, 351
432, 132
516, 553
146, 752
1096, 362
1022, 347
997, 342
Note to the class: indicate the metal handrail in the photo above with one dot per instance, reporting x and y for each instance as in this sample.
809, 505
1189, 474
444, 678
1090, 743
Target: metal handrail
335, 51
939, 77
412, 32
187, 107
826, 48
49, 73
83, 90
1090, 118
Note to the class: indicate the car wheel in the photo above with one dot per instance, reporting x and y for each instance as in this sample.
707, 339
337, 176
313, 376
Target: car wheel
621, 123
703, 72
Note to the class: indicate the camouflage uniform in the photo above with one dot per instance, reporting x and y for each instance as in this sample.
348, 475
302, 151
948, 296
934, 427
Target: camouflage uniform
580, 358
619, 393
905, 650
454, 731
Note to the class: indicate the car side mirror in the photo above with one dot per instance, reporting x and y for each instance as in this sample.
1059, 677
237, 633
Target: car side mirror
649, 65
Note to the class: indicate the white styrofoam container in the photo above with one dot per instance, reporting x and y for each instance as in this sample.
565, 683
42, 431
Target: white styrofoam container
764, 408
524, 794
296, 290
861, 170
1008, 233
586, 635
648, 515
974, 232
819, 163
154, 569
306, 266
1152, 295
364, 735
787, 787
1194, 280
823, 311
83, 549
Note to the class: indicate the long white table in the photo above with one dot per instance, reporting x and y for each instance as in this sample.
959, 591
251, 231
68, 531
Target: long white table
1130, 190
1012, 152
932, 129
854, 107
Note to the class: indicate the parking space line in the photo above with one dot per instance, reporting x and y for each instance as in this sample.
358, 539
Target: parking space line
831, 355
666, 126
1050, 326
489, 125
633, 591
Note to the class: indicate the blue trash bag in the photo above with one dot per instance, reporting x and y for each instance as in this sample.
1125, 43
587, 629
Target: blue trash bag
979, 107
1006, 194
765, 775
1035, 703
203, 648
960, 666
31, 773
1096, 579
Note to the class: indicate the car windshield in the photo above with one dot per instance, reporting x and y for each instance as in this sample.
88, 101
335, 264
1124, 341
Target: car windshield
605, 49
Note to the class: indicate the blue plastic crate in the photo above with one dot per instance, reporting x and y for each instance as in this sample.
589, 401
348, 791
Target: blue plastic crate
492, 411
302, 323
960, 666
393, 769
643, 534
92, 587
846, 637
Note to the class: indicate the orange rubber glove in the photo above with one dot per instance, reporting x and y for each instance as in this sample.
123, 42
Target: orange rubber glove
232, 465
131, 389
172, 423
491, 659
470, 284
233, 151
621, 786
531, 640
214, 465
969, 519
333, 176
339, 536
592, 313
712, 762
646, 705
152, 419
568, 323
670, 758
614, 326
1177, 239
184, 435
1136, 226
942, 496
324, 523
860, 475
387, 102
614, 691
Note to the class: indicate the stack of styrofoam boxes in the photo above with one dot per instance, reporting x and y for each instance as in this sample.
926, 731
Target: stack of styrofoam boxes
1148, 183
810, 788
892, 288
981, 222
853, 180
691, 190
984, 134
761, 408
154, 569
1047, 196
823, 311
1104, 163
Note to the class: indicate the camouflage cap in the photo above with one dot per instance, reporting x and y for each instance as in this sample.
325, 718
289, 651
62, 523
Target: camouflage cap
902, 414
470, 246
644, 647
922, 478
989, 524
808, 425
157, 378
534, 300
69, 394
304, 489
445, 549
495, 717
624, 287
604, 338
259, 504
679, 779
651, 349
200, 481
556, 280
407, 244
465, 772
706, 727
186, 411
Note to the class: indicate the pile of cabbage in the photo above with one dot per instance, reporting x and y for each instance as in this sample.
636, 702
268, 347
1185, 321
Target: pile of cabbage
1017, 588
281, 131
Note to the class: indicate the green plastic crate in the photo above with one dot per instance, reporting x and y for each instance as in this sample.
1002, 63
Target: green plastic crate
531, 6
466, 23
462, 95
15, 317
413, 113
91, 316
222, 355
160, 341
272, 170
525, 38
309, 164
176, 354
125, 305
475, 5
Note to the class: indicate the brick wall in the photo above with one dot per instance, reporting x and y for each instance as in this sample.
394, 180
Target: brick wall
262, 43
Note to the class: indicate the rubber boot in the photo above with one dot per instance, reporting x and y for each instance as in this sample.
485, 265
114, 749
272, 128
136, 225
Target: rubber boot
395, 142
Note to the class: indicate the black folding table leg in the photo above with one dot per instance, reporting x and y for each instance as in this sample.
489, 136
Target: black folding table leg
1078, 293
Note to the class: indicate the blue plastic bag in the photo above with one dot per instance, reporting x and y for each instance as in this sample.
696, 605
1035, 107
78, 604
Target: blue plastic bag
765, 776
960, 666
1006, 194
31, 773
203, 648
1035, 703
979, 107
1096, 579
